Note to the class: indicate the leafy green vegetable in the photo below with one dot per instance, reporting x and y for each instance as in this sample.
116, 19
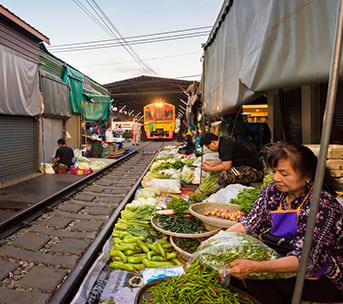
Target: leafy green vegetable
208, 186
179, 205
246, 198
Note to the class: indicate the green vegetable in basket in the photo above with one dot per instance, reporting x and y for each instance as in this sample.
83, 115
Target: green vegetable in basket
179, 205
187, 244
180, 223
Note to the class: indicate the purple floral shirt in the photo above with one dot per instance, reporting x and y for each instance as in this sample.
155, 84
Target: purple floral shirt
328, 232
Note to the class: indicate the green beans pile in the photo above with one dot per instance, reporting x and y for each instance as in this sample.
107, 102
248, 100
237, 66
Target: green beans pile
200, 284
180, 223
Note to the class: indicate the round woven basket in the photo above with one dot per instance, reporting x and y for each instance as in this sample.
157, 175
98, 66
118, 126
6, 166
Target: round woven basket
211, 230
198, 210
183, 254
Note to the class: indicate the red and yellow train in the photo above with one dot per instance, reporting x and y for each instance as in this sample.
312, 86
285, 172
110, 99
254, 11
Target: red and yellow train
159, 120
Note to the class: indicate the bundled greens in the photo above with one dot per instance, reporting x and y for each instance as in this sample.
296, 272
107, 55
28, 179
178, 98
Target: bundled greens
225, 247
208, 186
135, 219
200, 284
246, 198
187, 175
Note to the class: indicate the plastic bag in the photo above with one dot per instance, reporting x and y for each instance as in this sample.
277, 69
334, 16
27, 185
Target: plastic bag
187, 175
223, 248
46, 168
226, 194
165, 185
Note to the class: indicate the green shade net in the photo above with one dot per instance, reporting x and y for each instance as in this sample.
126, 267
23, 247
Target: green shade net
96, 107
74, 79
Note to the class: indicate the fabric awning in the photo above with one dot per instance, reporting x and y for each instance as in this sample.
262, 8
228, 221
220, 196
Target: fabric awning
258, 46
55, 97
96, 107
74, 79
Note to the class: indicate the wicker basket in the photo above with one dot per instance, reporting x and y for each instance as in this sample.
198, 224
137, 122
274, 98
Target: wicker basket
183, 254
198, 210
211, 230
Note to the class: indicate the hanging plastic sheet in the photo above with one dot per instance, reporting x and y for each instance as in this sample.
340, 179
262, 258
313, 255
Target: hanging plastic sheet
96, 107
257, 46
19, 85
74, 79
55, 96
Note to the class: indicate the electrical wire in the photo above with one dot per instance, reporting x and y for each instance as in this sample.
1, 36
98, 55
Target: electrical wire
132, 37
128, 42
100, 19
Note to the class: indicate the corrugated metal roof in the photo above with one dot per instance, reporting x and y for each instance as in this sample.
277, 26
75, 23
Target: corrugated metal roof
9, 15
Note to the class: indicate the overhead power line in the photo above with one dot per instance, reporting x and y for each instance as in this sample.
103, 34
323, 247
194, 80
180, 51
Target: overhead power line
105, 23
129, 41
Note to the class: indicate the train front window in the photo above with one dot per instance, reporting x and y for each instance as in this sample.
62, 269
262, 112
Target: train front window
168, 114
159, 115
148, 115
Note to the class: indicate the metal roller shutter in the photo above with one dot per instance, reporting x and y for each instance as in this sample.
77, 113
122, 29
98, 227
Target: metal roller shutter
18, 147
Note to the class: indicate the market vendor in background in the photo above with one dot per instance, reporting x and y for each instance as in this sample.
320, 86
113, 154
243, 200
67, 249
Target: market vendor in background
236, 164
64, 156
279, 217
188, 146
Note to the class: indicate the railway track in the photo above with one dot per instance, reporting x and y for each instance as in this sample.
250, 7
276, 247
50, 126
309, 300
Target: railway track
45, 261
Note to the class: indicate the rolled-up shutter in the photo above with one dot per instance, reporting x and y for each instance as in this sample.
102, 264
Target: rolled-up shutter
18, 147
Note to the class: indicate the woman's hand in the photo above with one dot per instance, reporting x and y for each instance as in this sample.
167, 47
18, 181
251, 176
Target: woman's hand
205, 167
241, 268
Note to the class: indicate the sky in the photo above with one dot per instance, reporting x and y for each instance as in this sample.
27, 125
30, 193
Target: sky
64, 22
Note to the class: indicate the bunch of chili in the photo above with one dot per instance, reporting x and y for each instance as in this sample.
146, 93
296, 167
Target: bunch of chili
200, 284
180, 223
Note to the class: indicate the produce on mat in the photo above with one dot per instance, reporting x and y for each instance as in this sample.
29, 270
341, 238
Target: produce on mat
246, 199
232, 215
223, 248
136, 219
180, 223
200, 284
208, 186
132, 253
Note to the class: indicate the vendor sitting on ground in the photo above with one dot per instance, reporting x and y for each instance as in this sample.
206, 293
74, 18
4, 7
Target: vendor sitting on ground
188, 146
236, 163
64, 156
279, 216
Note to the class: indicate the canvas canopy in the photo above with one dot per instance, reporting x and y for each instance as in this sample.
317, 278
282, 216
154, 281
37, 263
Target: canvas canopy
55, 97
258, 46
74, 79
96, 107
19, 85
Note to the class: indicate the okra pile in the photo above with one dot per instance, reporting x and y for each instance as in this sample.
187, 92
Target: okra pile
132, 253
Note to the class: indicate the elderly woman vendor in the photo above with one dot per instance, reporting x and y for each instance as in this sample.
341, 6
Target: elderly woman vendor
282, 209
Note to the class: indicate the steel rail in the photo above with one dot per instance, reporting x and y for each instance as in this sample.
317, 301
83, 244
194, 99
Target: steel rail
68, 288
17, 221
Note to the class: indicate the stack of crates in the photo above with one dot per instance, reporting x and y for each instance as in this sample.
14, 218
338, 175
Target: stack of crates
334, 161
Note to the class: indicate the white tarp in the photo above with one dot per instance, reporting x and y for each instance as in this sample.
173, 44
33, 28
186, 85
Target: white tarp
257, 46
